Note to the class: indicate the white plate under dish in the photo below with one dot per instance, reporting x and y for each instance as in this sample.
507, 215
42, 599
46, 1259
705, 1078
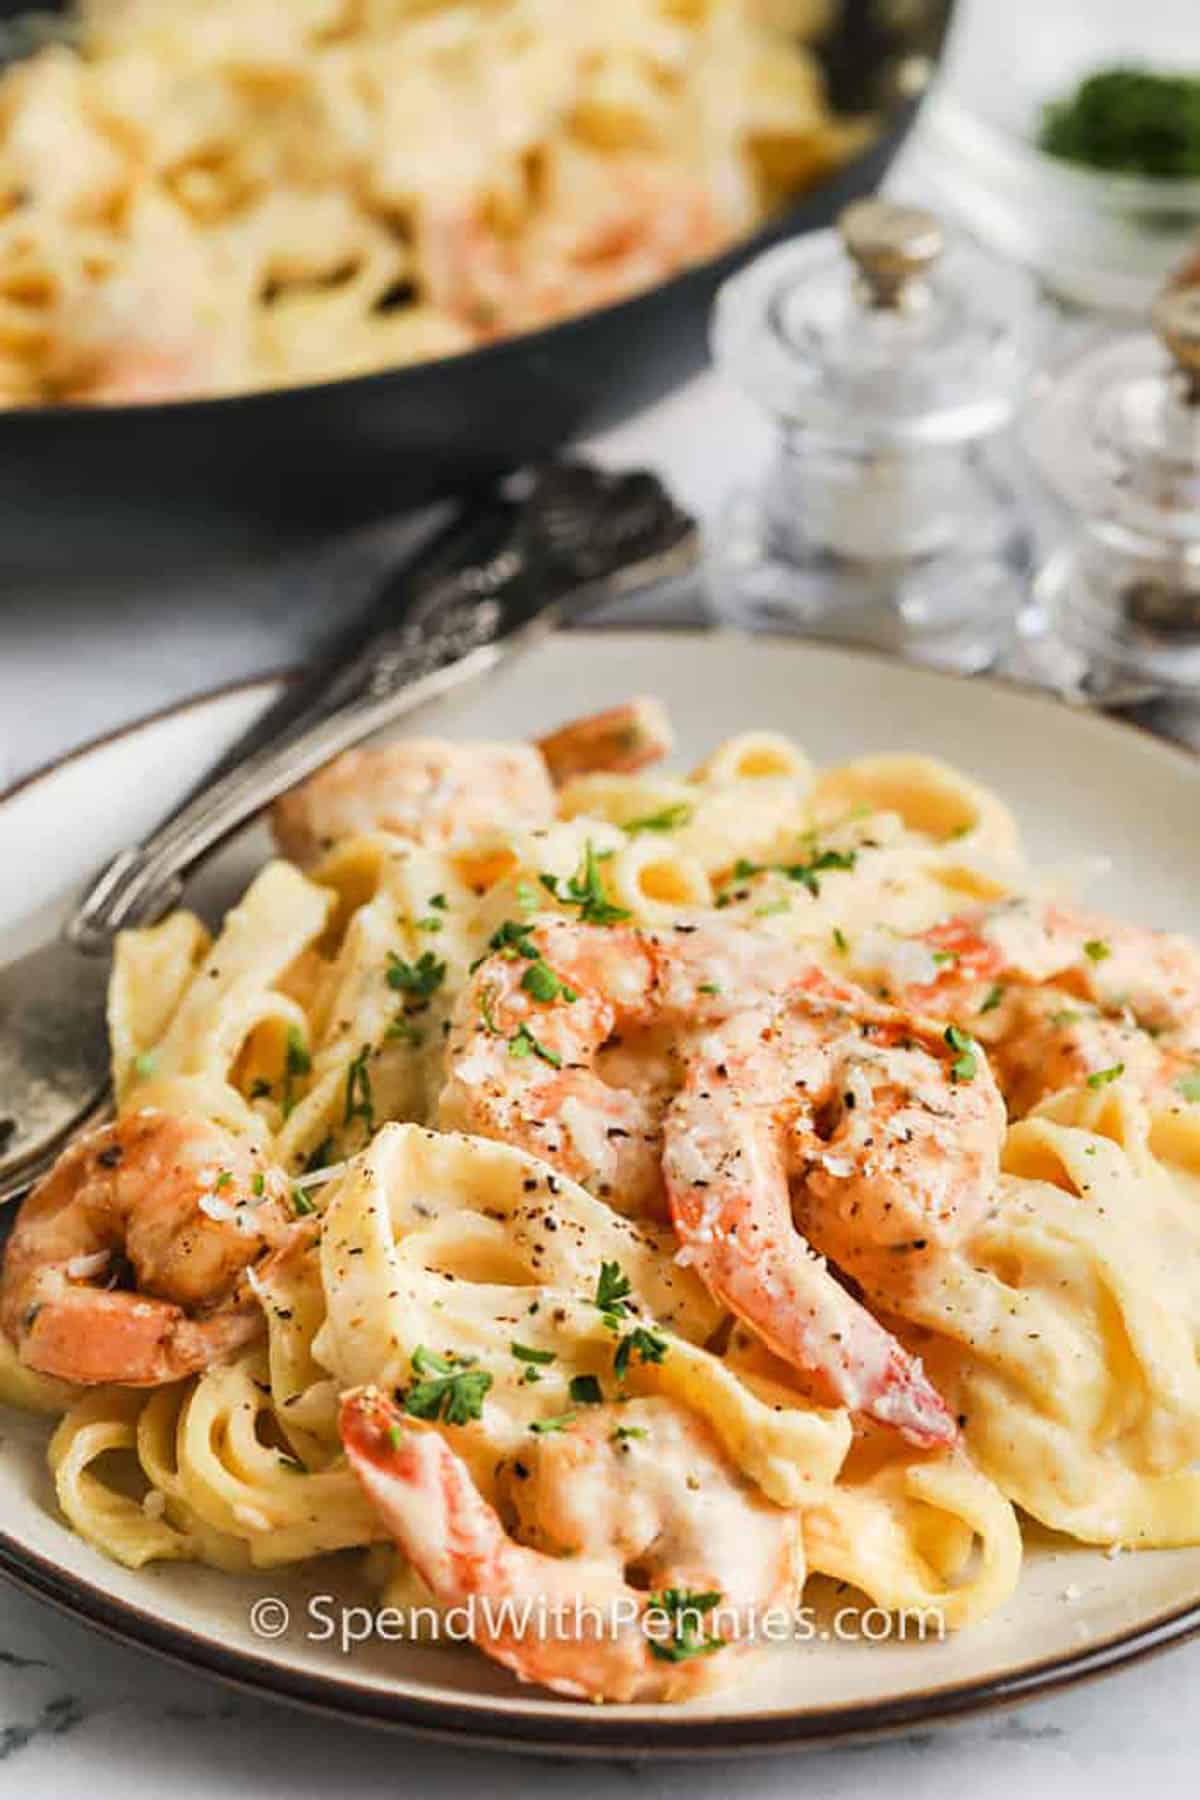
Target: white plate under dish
1079, 785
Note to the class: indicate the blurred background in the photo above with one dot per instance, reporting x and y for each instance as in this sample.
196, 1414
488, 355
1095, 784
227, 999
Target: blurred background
277, 276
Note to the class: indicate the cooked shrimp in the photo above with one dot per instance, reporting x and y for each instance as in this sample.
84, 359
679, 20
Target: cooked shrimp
178, 1205
1152, 976
637, 221
618, 741
626, 1530
1047, 1040
137, 375
890, 1137
429, 791
525, 1062
1058, 995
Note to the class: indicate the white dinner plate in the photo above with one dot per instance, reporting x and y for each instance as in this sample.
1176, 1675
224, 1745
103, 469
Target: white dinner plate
1079, 785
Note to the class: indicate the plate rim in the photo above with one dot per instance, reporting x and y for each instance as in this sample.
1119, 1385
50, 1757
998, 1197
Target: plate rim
539, 1726
287, 674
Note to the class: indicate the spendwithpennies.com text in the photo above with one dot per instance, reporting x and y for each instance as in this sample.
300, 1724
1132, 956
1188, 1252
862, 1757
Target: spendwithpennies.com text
325, 1619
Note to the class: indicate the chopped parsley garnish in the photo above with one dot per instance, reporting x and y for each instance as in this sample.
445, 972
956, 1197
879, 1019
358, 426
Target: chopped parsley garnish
523, 1043
296, 1063
1066, 1015
512, 938
1189, 1085
259, 1184
685, 1613
320, 1155
1129, 119
403, 1031
993, 998
527, 1354
966, 1063
624, 1433
1102, 1077
559, 1423
586, 1390
145, 1063
840, 940
223, 1180
540, 980
360, 1102
301, 1204
708, 987
671, 818
526, 897
487, 1002
806, 873
1097, 949
451, 1388
648, 1346
421, 978
585, 889
438, 900
612, 1291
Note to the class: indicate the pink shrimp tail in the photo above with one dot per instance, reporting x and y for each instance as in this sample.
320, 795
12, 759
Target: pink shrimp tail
911, 1404
412, 1477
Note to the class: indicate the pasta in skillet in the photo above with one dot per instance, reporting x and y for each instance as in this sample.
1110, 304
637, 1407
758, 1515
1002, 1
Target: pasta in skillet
223, 195
643, 1194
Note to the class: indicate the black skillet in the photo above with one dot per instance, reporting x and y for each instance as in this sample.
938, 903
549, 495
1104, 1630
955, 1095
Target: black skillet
93, 490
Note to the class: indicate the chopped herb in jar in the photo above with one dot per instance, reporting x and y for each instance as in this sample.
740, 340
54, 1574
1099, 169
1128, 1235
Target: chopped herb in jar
1128, 120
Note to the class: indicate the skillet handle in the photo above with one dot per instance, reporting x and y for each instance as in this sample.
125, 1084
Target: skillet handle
579, 537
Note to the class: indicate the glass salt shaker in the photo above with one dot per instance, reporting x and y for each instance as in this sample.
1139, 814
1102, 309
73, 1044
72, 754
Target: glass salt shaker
1115, 617
892, 360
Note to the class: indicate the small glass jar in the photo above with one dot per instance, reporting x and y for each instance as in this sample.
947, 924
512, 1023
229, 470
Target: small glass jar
891, 362
1115, 617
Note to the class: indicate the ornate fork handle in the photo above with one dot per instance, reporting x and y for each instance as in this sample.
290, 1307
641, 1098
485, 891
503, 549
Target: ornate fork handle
580, 537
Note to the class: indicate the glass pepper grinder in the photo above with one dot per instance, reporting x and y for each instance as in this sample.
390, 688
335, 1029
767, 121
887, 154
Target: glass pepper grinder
892, 360
1115, 617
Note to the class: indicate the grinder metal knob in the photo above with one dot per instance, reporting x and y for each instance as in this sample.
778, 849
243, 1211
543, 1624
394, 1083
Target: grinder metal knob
892, 247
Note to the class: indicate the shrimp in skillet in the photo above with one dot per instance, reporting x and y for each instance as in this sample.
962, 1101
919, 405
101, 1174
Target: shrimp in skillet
1060, 996
619, 1526
569, 1041
130, 1261
438, 793
884, 1136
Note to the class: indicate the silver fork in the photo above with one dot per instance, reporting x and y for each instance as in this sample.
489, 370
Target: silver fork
576, 537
